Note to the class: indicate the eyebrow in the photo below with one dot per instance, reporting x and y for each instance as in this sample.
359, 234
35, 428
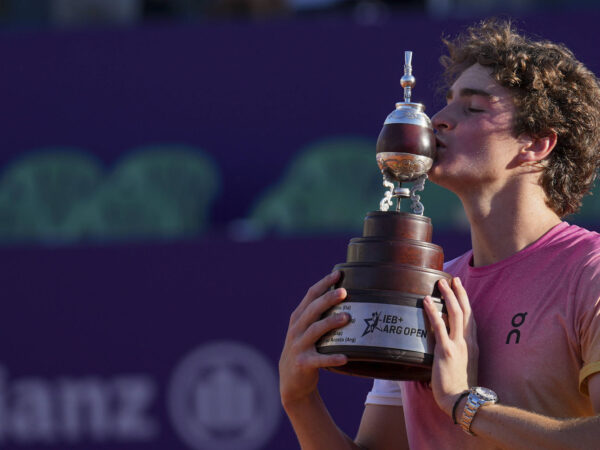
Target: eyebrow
470, 92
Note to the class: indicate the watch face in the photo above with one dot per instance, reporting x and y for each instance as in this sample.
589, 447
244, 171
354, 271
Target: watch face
485, 394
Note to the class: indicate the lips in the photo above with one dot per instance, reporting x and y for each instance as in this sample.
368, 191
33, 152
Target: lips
439, 143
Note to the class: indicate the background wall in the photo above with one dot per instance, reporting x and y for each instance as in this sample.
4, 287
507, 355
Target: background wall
169, 192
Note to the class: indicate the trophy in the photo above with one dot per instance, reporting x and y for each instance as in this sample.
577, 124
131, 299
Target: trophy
394, 265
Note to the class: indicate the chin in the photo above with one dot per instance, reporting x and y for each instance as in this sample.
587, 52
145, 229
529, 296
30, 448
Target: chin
435, 172
441, 177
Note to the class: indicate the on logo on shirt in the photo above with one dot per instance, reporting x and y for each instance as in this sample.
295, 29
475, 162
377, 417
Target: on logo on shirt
517, 320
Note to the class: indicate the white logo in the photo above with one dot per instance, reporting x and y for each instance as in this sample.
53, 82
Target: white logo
224, 396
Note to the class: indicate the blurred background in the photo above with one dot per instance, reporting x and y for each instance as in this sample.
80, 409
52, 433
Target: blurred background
174, 175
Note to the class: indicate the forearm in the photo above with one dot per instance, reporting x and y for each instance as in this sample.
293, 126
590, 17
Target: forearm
315, 427
513, 428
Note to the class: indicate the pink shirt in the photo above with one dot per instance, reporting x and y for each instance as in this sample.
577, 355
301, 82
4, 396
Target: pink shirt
538, 321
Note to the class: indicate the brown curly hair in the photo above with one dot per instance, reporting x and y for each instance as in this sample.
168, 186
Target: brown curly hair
552, 91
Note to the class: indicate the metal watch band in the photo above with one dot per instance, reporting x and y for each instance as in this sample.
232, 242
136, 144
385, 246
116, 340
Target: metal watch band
477, 398
471, 408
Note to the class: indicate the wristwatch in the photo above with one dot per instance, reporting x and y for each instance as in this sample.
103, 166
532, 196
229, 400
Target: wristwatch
478, 396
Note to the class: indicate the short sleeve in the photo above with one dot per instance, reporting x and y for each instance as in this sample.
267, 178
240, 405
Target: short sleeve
588, 293
385, 392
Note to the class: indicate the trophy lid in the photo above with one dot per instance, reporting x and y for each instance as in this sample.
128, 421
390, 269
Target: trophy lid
407, 111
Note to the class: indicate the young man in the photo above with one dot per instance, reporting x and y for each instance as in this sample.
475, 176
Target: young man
518, 142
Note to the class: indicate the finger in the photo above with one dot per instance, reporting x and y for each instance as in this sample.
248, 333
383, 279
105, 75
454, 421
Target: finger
437, 324
314, 360
317, 308
465, 305
314, 292
323, 326
470, 327
455, 314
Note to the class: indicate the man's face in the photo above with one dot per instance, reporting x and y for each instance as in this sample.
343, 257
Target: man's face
476, 144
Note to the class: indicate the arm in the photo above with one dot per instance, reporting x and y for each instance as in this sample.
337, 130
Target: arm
381, 427
299, 368
502, 425
314, 426
515, 428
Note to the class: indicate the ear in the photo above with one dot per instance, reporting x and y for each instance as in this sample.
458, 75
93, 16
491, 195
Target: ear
536, 149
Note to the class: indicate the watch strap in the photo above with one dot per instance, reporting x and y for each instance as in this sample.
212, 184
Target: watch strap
459, 398
474, 402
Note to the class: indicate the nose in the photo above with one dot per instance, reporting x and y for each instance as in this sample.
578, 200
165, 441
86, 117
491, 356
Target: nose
441, 119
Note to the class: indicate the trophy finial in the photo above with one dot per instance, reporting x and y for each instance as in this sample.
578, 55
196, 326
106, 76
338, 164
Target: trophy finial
408, 80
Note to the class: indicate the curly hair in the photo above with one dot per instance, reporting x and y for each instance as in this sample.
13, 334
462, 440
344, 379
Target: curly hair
552, 91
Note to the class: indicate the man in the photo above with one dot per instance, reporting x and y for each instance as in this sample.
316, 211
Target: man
518, 142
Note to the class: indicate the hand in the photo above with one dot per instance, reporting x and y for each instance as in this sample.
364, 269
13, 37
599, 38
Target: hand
300, 362
456, 352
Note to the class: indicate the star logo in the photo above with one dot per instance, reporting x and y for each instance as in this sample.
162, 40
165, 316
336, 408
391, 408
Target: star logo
372, 323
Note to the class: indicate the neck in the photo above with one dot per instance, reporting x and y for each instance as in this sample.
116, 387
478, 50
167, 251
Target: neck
506, 222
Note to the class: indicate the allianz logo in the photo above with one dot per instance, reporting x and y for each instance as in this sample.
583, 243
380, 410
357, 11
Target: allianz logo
220, 396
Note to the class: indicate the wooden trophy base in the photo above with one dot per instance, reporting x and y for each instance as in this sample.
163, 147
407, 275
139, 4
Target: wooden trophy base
387, 274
